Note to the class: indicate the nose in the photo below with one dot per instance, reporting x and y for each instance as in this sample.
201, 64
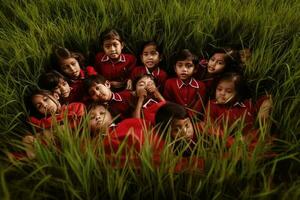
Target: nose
98, 118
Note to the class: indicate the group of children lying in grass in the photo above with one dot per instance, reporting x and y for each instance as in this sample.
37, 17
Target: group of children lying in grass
204, 96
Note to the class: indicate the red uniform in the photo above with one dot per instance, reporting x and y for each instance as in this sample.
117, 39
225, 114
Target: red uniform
115, 71
77, 93
159, 75
121, 104
72, 112
189, 94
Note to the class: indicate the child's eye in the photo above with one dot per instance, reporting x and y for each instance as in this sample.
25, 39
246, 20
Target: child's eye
145, 54
220, 63
102, 113
154, 53
190, 66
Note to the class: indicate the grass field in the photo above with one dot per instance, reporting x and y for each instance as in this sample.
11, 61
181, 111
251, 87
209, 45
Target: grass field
29, 30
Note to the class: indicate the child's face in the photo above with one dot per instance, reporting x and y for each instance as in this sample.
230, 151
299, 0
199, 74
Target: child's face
100, 92
63, 89
225, 92
45, 104
100, 119
144, 83
70, 67
182, 128
150, 56
216, 63
184, 69
113, 48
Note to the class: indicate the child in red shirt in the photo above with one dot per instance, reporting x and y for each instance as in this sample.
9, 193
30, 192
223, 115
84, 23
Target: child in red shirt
230, 108
146, 97
151, 55
69, 64
44, 112
119, 103
57, 83
221, 61
184, 89
114, 65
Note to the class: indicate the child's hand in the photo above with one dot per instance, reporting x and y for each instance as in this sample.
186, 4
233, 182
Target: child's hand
129, 85
141, 93
151, 88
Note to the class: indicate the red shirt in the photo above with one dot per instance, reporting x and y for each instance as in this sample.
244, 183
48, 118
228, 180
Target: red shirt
77, 86
188, 94
159, 74
121, 104
73, 112
222, 114
115, 71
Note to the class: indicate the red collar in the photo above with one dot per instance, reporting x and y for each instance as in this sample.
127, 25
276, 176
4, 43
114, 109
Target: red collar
193, 83
106, 58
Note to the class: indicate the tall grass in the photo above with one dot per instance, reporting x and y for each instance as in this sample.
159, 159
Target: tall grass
28, 31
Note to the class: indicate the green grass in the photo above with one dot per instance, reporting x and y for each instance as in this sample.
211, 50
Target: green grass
28, 31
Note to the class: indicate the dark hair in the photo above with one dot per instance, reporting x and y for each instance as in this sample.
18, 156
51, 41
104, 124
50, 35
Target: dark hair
231, 59
159, 48
186, 54
31, 109
169, 112
110, 34
139, 76
60, 53
240, 84
50, 80
90, 81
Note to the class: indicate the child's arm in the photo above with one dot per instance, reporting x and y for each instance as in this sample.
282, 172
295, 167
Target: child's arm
141, 94
129, 84
152, 89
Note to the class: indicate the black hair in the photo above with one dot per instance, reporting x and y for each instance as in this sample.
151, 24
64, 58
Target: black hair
31, 109
110, 34
186, 54
240, 84
91, 80
168, 112
50, 80
142, 75
60, 53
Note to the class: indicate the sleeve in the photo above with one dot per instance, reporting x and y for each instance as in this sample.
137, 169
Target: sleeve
90, 71
167, 90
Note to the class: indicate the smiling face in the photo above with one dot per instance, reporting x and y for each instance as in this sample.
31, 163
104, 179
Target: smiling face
113, 48
182, 128
150, 56
100, 119
63, 89
225, 92
100, 92
45, 104
216, 63
184, 69
70, 67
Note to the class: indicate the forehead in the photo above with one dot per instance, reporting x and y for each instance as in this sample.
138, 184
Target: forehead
226, 84
180, 122
38, 98
150, 47
186, 61
67, 60
111, 41
98, 108
219, 56
145, 79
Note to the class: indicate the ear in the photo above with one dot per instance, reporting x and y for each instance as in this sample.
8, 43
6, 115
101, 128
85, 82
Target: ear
122, 45
107, 84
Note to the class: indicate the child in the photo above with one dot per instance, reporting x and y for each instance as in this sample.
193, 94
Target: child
119, 103
44, 110
221, 61
147, 97
115, 66
173, 118
57, 83
44, 107
100, 121
184, 89
151, 55
69, 64
230, 108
